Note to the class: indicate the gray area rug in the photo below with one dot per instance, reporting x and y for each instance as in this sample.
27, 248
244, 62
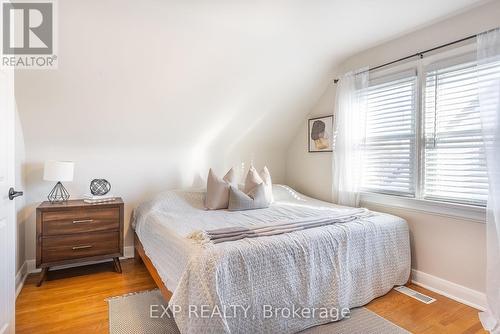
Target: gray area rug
131, 314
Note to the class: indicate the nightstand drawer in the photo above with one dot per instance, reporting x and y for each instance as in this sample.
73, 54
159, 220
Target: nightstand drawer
78, 246
72, 221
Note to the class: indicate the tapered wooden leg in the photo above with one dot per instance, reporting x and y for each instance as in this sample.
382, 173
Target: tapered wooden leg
118, 266
43, 275
137, 257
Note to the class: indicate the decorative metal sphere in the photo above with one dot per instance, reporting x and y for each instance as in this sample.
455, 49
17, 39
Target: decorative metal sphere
99, 187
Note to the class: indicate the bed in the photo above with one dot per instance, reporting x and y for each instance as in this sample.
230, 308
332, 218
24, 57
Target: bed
256, 285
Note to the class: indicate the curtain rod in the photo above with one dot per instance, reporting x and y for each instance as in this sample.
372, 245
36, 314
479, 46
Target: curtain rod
418, 54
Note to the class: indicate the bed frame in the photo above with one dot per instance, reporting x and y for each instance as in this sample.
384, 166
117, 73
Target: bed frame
139, 255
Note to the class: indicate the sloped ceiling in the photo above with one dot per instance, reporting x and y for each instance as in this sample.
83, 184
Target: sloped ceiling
150, 93
200, 73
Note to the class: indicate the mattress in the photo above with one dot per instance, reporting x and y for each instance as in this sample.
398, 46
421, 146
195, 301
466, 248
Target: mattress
338, 267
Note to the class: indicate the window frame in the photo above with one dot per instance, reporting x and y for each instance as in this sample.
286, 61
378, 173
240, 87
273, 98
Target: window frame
394, 74
476, 213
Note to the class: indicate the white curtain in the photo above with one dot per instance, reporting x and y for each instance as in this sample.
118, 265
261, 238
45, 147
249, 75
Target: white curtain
350, 124
488, 55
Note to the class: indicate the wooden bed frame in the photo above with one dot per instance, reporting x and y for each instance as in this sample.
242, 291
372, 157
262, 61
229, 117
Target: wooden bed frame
139, 254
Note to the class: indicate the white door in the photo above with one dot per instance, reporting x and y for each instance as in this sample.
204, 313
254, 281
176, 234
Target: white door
7, 209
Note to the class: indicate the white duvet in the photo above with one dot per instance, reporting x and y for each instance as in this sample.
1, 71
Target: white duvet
257, 285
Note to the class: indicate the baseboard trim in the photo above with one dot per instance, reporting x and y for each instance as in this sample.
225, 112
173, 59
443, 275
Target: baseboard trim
128, 253
449, 289
21, 275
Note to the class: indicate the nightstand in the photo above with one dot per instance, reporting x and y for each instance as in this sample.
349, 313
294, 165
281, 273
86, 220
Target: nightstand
75, 231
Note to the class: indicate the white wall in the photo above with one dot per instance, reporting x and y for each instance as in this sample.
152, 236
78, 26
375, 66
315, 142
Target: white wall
447, 248
311, 173
135, 174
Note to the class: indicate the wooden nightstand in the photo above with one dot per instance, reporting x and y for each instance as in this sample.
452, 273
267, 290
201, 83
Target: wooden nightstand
76, 231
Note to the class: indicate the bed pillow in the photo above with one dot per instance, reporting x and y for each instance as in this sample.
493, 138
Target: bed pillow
255, 199
254, 178
266, 178
217, 196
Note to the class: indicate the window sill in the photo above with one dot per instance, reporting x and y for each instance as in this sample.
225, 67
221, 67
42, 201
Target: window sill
453, 210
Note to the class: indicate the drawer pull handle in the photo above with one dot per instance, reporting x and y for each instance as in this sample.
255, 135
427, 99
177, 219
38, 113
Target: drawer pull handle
82, 247
83, 221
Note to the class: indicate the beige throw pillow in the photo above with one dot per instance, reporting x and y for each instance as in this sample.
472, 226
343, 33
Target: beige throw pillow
217, 196
254, 178
255, 199
266, 178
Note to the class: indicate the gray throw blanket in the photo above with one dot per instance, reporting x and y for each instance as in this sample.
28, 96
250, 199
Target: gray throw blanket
237, 233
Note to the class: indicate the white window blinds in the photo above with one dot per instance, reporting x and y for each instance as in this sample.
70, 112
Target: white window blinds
390, 135
454, 159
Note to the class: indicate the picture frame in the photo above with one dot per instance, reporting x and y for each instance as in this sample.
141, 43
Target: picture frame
320, 134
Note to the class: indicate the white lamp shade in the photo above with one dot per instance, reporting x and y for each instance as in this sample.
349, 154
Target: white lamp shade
58, 170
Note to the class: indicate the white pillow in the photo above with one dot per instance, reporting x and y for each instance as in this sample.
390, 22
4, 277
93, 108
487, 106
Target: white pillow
217, 196
254, 178
255, 199
266, 178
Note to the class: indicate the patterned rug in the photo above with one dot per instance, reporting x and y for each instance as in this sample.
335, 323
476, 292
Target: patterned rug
131, 314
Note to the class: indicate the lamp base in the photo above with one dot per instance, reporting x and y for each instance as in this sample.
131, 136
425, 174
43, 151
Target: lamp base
58, 194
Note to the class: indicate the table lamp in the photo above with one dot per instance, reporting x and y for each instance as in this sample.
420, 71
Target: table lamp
58, 171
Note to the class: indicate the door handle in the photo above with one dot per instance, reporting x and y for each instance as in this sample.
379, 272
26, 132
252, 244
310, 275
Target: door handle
13, 194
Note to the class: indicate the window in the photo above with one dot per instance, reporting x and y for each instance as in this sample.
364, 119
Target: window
390, 135
430, 150
454, 157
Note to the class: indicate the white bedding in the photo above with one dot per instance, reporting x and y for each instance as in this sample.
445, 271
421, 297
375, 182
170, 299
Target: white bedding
343, 265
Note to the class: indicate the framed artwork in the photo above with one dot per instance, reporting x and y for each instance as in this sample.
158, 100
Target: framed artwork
320, 134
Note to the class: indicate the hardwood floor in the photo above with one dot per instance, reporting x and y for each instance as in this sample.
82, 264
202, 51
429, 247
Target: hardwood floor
73, 301
443, 316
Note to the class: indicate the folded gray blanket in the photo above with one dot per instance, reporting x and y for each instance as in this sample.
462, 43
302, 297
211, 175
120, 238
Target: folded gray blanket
237, 233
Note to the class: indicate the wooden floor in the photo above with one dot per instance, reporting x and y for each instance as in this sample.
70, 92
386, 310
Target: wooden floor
73, 301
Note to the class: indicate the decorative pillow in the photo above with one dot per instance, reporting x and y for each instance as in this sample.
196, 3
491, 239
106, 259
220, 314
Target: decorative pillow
218, 190
254, 178
255, 199
266, 178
